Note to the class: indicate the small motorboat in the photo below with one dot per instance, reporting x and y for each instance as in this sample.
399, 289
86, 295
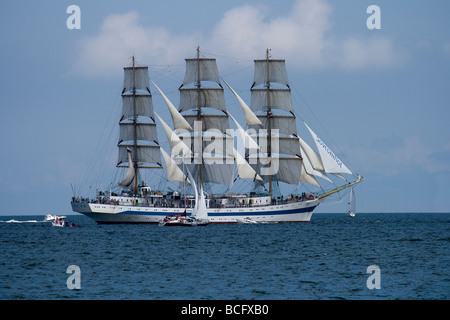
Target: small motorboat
172, 220
183, 221
60, 221
49, 217
193, 222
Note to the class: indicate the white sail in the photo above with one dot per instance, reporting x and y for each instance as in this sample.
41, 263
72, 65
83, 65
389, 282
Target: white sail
279, 159
128, 180
137, 127
331, 163
177, 146
352, 203
209, 121
245, 171
142, 131
136, 78
310, 169
191, 98
279, 99
352, 200
289, 169
212, 172
275, 68
207, 67
250, 117
138, 105
200, 104
339, 176
174, 173
312, 155
249, 142
145, 154
286, 169
200, 211
287, 145
308, 178
178, 120
286, 124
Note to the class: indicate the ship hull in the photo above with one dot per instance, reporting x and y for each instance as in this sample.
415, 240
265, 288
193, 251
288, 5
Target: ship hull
120, 214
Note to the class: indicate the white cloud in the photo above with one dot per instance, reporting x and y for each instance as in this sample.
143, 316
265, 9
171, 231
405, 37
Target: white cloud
359, 53
394, 155
302, 36
299, 36
121, 36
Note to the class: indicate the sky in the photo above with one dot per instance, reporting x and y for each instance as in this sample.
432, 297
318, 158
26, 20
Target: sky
379, 98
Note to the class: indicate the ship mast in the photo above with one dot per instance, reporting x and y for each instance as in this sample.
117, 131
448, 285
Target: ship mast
200, 104
280, 128
138, 140
199, 117
269, 131
135, 161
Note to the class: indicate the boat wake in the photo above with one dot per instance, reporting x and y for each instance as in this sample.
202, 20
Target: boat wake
22, 221
47, 218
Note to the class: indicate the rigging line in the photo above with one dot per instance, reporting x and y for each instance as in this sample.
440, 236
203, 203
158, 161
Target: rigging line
172, 72
329, 136
115, 113
361, 198
232, 72
107, 146
226, 56
230, 63
96, 152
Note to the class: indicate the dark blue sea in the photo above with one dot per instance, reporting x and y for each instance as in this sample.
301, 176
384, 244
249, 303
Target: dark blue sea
327, 258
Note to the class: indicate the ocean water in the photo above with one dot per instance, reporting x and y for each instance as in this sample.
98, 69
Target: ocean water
326, 258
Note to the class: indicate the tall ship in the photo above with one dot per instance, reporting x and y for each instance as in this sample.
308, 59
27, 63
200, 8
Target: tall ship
205, 152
